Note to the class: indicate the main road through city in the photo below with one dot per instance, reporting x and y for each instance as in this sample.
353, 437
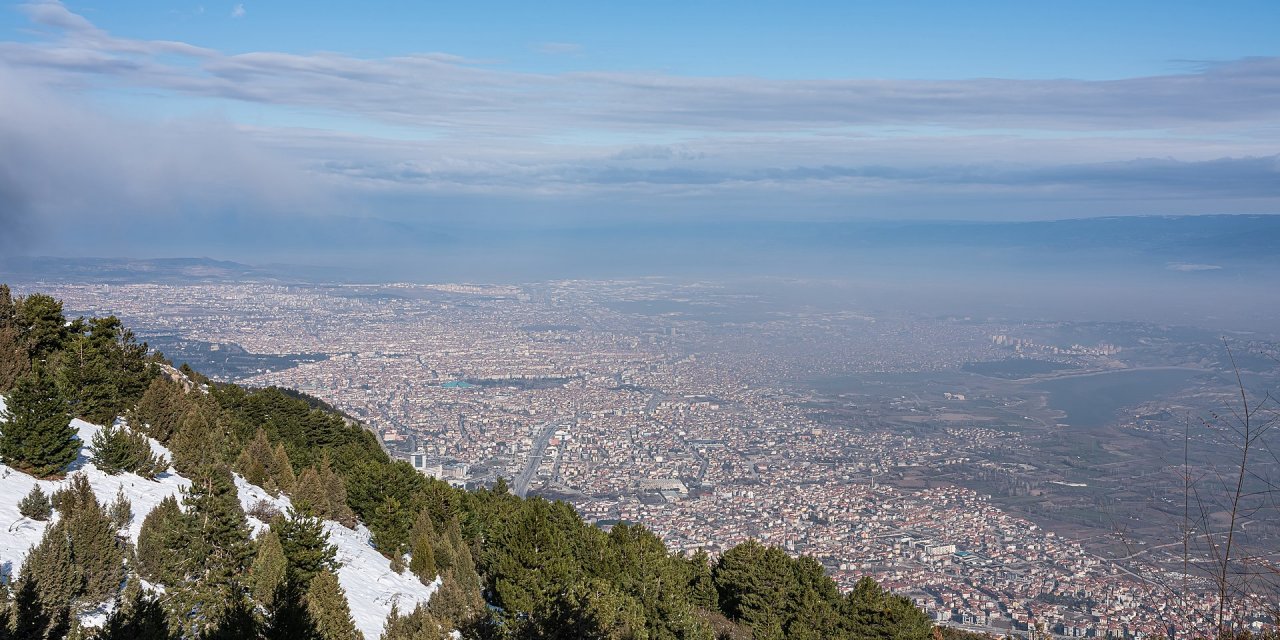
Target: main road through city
521, 485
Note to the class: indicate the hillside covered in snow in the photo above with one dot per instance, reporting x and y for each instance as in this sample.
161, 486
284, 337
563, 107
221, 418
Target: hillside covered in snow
371, 586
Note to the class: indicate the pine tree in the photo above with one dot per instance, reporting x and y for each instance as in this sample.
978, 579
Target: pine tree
455, 603
289, 616
205, 609
417, 625
120, 510
140, 617
329, 609
591, 610
76, 492
41, 326
31, 617
117, 450
322, 493
76, 562
76, 630
232, 619
14, 360
79, 559
36, 436
753, 581
161, 409
310, 497
282, 471
36, 505
215, 601
62, 625
306, 547
335, 491
422, 553
84, 375
163, 553
871, 613
701, 586
449, 546
219, 531
96, 551
269, 567
376, 489
256, 461
102, 370
813, 603
50, 569
391, 534
458, 602
192, 374
636, 561
201, 439
440, 499
535, 558
464, 566
132, 370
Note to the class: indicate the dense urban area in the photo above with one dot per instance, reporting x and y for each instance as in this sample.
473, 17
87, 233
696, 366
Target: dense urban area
1006, 475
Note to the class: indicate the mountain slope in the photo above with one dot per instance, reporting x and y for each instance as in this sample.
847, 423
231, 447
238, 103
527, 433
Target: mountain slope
371, 586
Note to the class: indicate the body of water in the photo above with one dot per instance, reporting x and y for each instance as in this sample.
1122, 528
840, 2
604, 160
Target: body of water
1093, 401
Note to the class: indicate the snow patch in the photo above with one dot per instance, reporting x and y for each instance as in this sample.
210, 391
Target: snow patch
371, 586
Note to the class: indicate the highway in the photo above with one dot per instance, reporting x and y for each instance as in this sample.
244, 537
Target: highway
521, 485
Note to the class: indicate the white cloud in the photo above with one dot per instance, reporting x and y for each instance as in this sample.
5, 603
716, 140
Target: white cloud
237, 11
1218, 101
1191, 267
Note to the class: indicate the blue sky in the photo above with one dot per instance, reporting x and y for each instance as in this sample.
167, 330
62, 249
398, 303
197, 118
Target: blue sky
923, 40
559, 114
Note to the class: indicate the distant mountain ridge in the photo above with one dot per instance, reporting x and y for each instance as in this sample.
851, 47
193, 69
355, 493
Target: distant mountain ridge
431, 251
127, 269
